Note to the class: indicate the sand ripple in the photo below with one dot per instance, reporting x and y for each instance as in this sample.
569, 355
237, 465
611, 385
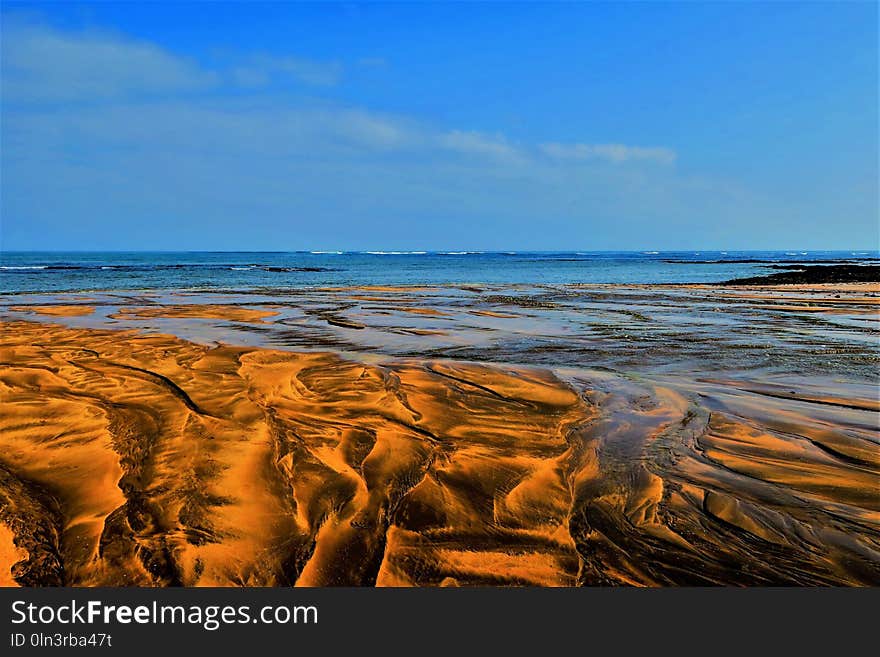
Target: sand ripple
134, 459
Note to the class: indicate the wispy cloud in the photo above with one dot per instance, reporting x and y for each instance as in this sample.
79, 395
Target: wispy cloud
611, 152
40, 64
475, 143
156, 137
45, 65
370, 130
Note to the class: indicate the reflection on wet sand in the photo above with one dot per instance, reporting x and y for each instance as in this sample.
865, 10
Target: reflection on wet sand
134, 457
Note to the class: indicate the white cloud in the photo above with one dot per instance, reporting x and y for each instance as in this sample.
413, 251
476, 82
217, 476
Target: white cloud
47, 65
218, 127
372, 130
479, 144
289, 176
40, 64
158, 137
612, 152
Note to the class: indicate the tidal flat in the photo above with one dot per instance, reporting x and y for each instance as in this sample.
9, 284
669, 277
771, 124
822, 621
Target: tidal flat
527, 435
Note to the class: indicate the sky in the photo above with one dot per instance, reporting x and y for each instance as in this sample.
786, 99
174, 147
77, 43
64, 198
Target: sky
575, 126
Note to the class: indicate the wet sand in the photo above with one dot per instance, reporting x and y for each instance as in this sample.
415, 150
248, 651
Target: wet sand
59, 310
134, 456
198, 311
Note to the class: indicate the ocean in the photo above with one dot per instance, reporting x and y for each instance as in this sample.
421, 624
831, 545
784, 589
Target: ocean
39, 272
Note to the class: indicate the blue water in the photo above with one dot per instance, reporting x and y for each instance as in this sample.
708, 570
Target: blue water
73, 272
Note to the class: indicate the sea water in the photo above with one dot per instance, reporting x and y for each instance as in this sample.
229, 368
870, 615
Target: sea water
85, 271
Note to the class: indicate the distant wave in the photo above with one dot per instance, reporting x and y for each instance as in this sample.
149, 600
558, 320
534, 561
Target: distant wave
22, 267
650, 253
459, 252
395, 252
326, 252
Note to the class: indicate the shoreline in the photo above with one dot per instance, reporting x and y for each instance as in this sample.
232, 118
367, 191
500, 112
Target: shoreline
871, 286
802, 330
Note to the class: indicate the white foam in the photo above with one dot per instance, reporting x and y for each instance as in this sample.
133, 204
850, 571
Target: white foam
24, 267
395, 252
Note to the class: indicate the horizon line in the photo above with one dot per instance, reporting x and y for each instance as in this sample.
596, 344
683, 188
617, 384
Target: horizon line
450, 251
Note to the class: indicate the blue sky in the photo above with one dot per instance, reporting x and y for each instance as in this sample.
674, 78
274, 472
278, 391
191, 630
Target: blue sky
439, 126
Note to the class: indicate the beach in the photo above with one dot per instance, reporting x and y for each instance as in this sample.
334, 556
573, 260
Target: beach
442, 435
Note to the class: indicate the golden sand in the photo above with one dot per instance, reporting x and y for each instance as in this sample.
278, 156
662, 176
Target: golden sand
197, 311
9, 554
57, 310
173, 463
133, 459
